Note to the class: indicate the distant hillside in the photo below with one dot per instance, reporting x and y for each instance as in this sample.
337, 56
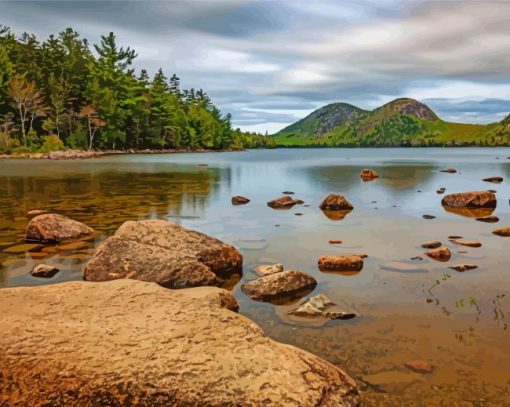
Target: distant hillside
402, 122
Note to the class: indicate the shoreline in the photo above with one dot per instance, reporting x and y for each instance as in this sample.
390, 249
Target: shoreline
85, 154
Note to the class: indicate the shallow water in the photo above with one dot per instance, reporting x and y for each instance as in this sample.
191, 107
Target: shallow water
457, 322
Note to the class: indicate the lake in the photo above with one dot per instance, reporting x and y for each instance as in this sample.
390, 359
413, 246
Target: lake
456, 321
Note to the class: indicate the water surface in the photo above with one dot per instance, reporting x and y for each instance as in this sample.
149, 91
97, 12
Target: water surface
458, 322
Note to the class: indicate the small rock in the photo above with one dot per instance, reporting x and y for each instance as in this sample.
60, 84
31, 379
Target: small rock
449, 170
335, 242
505, 232
454, 237
429, 217
288, 193
44, 271
417, 258
495, 180
36, 212
433, 244
284, 202
468, 243
463, 267
298, 214
340, 263
320, 306
488, 219
335, 202
267, 270
476, 199
368, 175
440, 254
280, 287
419, 366
239, 200
441, 191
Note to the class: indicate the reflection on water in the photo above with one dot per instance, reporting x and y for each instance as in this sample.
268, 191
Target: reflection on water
457, 323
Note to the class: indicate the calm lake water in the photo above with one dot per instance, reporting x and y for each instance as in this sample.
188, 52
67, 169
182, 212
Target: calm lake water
458, 322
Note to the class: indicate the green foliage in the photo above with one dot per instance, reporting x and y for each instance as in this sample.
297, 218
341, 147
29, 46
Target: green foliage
403, 122
51, 143
59, 87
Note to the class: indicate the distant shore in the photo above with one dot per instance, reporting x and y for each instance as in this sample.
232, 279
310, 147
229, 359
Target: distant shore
86, 154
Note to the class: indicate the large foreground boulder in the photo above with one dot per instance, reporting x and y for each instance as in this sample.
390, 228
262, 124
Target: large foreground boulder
54, 228
161, 252
280, 287
477, 199
133, 343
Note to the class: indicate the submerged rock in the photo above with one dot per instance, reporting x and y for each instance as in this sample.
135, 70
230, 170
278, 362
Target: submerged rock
284, 202
495, 180
433, 244
340, 263
44, 271
468, 243
280, 287
505, 232
161, 252
441, 191
56, 228
130, 342
269, 269
320, 306
449, 170
476, 199
463, 267
440, 254
368, 175
335, 202
239, 200
428, 216
402, 267
419, 366
36, 212
488, 219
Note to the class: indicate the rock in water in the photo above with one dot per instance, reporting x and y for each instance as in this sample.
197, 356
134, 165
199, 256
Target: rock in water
239, 200
477, 199
419, 366
269, 269
449, 170
368, 175
340, 263
125, 341
280, 287
56, 228
495, 180
440, 254
488, 219
463, 267
434, 244
44, 271
36, 212
335, 203
468, 243
284, 202
505, 232
320, 306
161, 252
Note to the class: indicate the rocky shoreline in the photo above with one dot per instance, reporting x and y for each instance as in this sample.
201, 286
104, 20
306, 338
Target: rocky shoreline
85, 154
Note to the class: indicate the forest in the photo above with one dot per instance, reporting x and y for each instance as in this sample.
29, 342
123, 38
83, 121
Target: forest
63, 93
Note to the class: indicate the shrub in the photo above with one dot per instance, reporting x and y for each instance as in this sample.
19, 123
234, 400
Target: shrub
52, 143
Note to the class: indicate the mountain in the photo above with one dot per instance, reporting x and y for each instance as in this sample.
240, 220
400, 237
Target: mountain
401, 122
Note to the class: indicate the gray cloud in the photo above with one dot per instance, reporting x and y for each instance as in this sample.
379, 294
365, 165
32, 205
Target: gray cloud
268, 62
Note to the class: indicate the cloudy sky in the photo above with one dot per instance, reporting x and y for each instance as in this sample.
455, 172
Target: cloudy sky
270, 63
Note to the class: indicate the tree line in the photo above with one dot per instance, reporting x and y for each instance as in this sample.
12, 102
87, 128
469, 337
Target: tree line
59, 94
